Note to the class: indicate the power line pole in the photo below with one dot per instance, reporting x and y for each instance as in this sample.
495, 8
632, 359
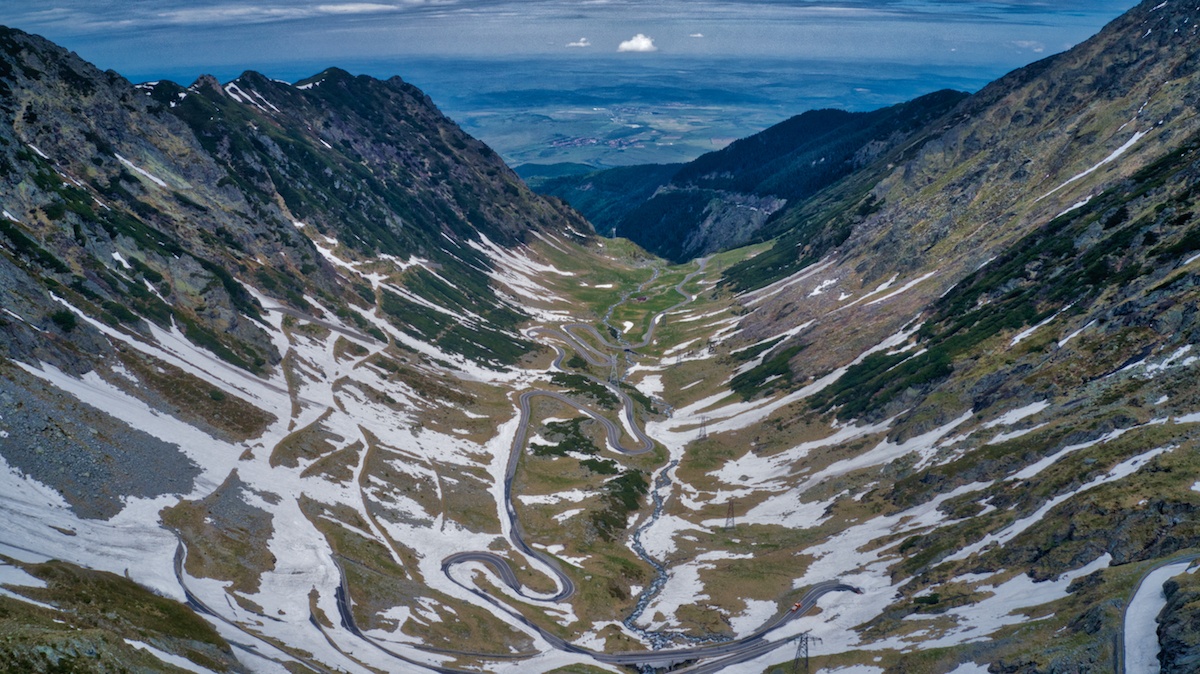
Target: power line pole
802, 652
703, 428
730, 522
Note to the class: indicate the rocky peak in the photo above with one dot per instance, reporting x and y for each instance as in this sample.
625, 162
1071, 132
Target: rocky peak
206, 83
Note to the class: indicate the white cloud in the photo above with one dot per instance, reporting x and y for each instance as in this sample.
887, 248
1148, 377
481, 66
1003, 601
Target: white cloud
249, 13
696, 35
1034, 45
638, 43
582, 42
230, 14
355, 8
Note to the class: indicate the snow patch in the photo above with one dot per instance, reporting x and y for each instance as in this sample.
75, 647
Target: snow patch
1123, 469
1107, 160
822, 287
1013, 416
651, 385
1076, 206
757, 613
1003, 607
1028, 332
170, 658
904, 288
761, 295
13, 576
571, 496
1063, 342
141, 171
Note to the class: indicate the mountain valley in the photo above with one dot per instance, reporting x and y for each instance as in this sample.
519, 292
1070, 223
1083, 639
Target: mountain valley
303, 378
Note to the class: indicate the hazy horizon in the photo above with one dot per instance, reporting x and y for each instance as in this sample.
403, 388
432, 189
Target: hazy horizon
540, 80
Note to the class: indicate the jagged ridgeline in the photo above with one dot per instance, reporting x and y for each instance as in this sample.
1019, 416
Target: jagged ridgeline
200, 193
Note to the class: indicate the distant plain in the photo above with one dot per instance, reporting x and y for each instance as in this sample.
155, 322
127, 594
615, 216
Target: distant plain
622, 111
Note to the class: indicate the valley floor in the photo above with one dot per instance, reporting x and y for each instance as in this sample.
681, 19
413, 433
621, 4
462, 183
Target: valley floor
608, 503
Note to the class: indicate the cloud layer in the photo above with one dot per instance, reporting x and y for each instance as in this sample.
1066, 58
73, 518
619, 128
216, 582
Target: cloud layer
638, 43
152, 39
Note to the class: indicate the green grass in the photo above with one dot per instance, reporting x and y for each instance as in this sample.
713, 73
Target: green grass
108, 599
93, 613
622, 496
568, 437
580, 385
224, 536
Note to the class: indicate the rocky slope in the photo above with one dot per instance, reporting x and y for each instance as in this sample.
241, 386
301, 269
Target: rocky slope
167, 248
1029, 261
1055, 189
204, 189
1179, 627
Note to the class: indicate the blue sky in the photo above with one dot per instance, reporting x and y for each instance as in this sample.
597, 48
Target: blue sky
151, 38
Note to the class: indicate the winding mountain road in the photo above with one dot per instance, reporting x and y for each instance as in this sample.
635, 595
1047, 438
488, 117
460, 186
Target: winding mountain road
718, 655
613, 433
738, 650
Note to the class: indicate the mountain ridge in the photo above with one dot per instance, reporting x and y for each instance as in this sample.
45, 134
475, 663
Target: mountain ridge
949, 399
371, 205
737, 191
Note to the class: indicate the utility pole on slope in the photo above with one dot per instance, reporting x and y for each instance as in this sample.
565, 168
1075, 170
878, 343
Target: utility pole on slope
703, 428
730, 522
802, 652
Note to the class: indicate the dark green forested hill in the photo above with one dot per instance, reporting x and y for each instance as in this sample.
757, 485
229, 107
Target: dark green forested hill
723, 198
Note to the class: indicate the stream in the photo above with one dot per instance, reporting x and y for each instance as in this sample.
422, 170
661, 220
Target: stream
658, 639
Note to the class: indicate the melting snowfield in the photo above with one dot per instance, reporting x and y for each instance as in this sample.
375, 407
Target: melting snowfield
370, 420
337, 396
